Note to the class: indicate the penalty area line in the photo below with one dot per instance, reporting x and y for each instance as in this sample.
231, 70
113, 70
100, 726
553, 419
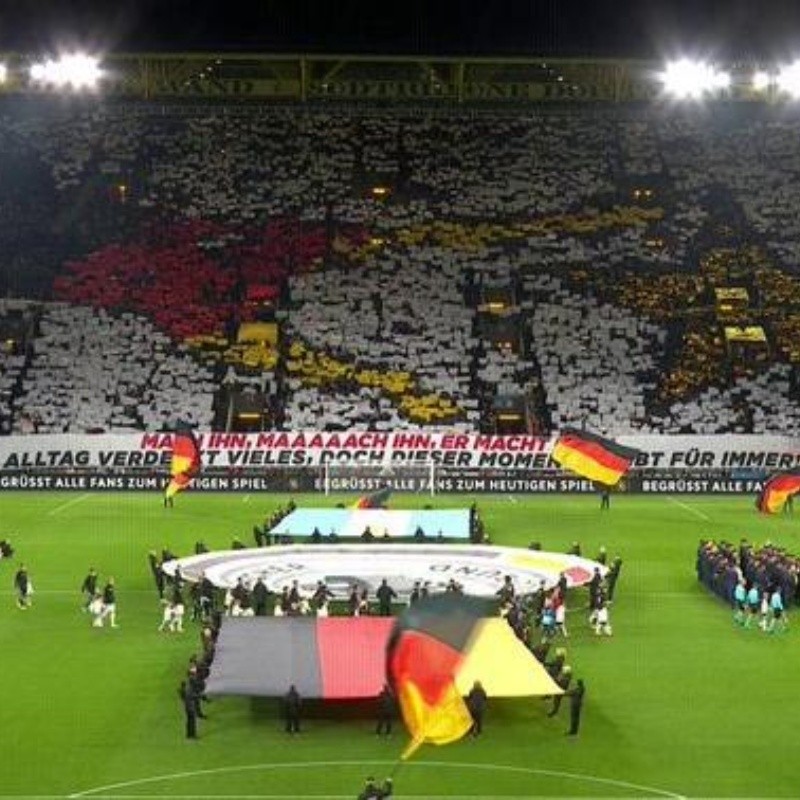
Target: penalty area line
686, 507
64, 506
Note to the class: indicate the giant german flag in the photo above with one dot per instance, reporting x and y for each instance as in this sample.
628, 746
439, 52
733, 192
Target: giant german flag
777, 490
438, 649
593, 457
185, 463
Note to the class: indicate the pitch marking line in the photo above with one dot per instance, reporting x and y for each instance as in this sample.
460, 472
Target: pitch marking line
64, 506
98, 790
686, 507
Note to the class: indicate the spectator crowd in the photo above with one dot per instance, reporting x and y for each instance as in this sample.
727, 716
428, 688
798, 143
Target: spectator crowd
607, 234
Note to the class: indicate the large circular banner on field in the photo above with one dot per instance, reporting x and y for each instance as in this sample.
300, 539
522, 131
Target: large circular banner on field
480, 569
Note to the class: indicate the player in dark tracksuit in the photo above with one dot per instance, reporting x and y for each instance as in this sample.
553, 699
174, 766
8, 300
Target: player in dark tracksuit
89, 587
158, 574
22, 584
595, 588
613, 577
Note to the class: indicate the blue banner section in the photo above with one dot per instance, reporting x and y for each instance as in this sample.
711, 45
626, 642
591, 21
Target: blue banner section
353, 523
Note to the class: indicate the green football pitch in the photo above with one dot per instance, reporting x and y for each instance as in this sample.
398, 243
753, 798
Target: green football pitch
680, 702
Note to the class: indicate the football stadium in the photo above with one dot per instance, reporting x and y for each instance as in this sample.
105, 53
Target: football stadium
398, 425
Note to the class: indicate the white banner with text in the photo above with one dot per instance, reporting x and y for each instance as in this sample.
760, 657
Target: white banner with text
249, 452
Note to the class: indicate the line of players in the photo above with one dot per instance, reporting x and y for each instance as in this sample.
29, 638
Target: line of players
758, 582
543, 609
546, 609
763, 609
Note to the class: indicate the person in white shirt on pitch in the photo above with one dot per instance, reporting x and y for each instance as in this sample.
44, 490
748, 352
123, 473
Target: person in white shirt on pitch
778, 614
561, 617
110, 602
602, 624
96, 610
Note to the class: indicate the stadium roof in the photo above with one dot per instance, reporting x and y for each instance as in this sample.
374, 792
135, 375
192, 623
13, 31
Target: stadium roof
729, 28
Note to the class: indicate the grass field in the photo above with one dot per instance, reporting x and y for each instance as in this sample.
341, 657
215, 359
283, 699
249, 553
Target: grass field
679, 702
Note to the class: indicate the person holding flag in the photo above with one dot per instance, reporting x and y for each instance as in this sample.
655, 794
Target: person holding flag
372, 791
184, 465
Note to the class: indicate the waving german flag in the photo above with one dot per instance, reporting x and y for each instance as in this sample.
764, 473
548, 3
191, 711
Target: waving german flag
592, 456
439, 648
185, 463
377, 499
777, 490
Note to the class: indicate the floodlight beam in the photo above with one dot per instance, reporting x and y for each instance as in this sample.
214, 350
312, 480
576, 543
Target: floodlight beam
73, 70
788, 79
691, 80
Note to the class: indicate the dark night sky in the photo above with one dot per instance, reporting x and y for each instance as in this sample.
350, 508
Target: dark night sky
731, 28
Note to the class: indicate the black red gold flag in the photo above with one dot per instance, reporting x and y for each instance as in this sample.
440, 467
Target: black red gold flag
777, 490
439, 648
184, 464
593, 457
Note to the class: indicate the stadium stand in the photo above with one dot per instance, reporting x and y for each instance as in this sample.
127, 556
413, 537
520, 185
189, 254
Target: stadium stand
405, 268
597, 361
92, 371
407, 319
16, 321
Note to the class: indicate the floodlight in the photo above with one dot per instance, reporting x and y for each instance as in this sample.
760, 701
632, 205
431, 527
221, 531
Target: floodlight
45, 71
761, 81
719, 80
690, 80
3, 72
788, 79
81, 71
75, 70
